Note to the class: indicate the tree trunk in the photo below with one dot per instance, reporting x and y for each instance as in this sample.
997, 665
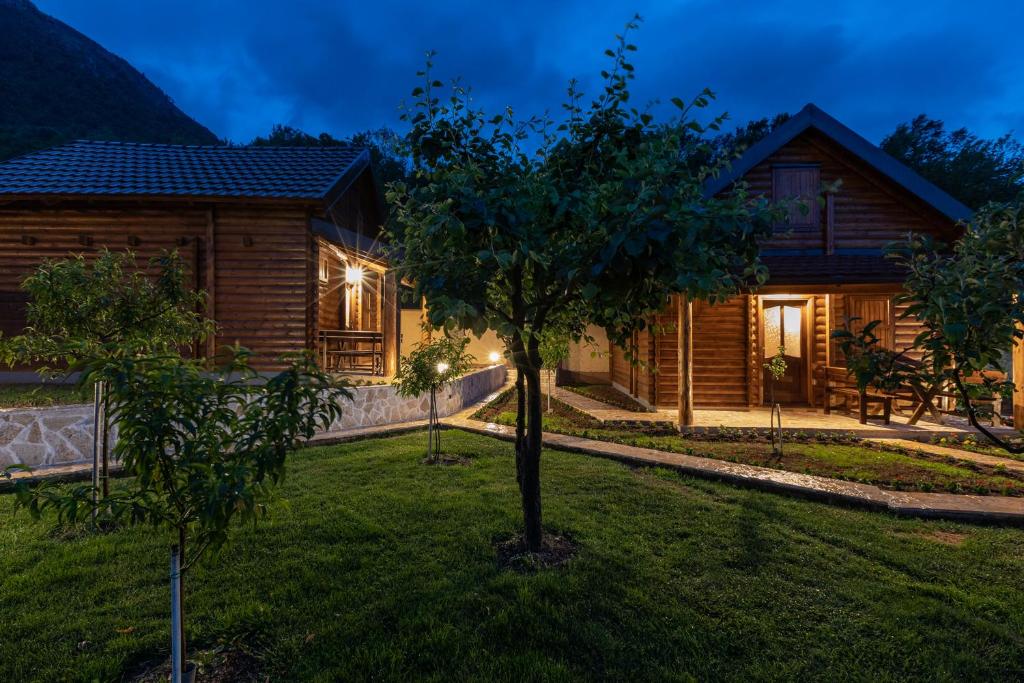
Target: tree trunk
530, 485
520, 425
106, 439
181, 594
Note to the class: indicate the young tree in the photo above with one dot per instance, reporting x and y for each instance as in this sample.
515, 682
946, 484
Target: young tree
426, 370
601, 225
776, 368
554, 348
202, 449
106, 307
968, 301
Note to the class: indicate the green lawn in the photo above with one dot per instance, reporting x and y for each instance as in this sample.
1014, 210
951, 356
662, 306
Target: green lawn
35, 395
375, 566
844, 458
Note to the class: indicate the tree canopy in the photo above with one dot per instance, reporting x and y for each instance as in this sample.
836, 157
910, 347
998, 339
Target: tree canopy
82, 308
390, 162
599, 224
968, 302
972, 169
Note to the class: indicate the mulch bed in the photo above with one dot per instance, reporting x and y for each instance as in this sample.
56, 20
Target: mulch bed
220, 665
447, 459
556, 550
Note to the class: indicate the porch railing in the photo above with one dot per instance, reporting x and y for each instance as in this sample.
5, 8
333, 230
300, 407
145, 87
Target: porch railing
352, 351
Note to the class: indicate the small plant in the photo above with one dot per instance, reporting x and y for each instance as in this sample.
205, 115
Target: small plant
776, 367
203, 450
554, 348
429, 367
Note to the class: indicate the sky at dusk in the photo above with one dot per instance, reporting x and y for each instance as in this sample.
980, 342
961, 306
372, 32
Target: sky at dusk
239, 66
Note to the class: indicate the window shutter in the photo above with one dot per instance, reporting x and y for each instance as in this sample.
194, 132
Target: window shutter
799, 184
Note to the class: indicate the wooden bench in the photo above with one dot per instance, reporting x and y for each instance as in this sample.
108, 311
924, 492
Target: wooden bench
354, 346
838, 383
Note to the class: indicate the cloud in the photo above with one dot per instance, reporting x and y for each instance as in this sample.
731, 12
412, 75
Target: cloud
238, 66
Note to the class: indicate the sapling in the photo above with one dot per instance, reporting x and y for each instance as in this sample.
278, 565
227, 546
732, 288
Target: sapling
105, 307
202, 449
776, 367
430, 366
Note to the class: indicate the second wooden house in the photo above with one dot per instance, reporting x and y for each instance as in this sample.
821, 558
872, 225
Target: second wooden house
826, 266
283, 240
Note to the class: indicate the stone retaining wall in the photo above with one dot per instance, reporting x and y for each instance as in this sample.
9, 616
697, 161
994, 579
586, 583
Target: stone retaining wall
379, 405
62, 435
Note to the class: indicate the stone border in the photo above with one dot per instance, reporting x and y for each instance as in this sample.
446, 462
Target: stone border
957, 507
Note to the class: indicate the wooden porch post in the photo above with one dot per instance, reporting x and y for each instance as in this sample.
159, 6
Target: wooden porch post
1018, 380
685, 362
424, 328
391, 326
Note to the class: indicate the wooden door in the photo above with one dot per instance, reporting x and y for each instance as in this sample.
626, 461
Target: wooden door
784, 327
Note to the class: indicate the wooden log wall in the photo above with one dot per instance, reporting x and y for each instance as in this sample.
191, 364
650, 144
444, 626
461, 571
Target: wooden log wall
260, 256
868, 210
666, 356
720, 347
620, 368
331, 293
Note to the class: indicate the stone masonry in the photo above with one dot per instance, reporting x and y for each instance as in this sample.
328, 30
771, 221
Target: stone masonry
62, 435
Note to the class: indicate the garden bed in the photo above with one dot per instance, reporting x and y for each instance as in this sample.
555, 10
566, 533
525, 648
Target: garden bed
837, 456
372, 565
606, 393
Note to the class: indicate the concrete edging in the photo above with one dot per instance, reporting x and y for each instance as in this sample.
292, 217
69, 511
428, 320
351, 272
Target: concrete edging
957, 507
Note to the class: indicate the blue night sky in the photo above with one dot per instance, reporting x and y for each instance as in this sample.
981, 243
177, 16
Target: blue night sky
238, 66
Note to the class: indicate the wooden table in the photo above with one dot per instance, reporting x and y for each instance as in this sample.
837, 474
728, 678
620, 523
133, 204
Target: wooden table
925, 398
337, 346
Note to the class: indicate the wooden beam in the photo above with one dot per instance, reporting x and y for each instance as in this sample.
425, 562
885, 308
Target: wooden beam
392, 323
685, 362
211, 278
1018, 379
830, 223
424, 326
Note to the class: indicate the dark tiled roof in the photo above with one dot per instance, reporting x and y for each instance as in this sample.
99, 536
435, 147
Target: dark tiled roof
823, 269
813, 117
112, 169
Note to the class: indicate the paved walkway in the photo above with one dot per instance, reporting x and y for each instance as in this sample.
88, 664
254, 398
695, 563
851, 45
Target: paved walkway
793, 420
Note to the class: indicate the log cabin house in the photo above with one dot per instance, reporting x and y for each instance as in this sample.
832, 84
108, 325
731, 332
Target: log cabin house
826, 265
283, 240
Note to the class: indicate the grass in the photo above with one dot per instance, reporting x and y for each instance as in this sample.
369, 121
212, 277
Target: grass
39, 395
606, 393
845, 458
374, 566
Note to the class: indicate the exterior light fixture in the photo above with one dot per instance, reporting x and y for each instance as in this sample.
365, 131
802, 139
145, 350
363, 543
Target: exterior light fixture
494, 356
442, 367
353, 274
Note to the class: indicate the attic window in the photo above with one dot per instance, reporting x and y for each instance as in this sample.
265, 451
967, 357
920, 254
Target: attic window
801, 185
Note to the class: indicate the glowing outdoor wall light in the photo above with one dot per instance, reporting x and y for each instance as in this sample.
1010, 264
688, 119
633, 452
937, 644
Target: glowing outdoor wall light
494, 356
353, 275
442, 368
